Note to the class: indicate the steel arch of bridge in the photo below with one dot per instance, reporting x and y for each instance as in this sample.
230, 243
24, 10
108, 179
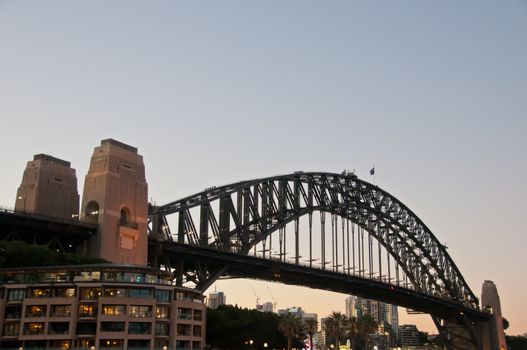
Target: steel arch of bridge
263, 206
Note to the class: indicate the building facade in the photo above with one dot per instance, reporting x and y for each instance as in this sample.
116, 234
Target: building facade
267, 307
101, 306
408, 335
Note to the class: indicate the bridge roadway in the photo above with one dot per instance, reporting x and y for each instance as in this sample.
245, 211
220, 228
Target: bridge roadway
247, 266
69, 234
44, 230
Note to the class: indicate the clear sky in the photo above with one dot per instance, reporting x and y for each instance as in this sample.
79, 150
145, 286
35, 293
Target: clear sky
213, 92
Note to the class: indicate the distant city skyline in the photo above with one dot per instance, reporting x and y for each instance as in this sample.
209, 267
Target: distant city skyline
434, 95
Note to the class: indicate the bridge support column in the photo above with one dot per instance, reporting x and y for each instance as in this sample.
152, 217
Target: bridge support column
115, 197
491, 332
458, 333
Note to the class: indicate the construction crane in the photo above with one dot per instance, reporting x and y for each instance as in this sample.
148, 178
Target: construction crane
274, 300
257, 297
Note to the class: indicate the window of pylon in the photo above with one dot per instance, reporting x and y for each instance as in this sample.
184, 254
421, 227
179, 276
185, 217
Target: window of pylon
125, 216
92, 212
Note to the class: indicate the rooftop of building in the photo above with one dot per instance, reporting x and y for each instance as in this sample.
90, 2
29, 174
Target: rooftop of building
118, 143
85, 273
52, 159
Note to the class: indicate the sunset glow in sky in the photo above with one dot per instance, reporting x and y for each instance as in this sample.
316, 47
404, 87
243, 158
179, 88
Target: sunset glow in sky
213, 92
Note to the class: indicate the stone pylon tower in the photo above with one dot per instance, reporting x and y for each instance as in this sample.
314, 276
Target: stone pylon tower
493, 329
115, 196
49, 187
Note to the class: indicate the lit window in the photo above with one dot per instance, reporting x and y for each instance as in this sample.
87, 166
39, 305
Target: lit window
90, 293
64, 292
140, 311
115, 292
162, 312
36, 311
60, 310
86, 310
40, 293
113, 309
34, 328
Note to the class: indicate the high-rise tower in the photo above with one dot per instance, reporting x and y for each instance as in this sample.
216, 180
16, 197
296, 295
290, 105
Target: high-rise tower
49, 187
115, 196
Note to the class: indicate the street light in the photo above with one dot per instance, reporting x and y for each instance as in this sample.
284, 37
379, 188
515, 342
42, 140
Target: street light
265, 345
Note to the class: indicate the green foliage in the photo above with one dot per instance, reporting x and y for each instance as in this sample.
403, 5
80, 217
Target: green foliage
366, 325
291, 326
517, 342
231, 327
335, 326
21, 254
340, 327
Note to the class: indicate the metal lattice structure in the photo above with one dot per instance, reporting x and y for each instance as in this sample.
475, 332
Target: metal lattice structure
236, 218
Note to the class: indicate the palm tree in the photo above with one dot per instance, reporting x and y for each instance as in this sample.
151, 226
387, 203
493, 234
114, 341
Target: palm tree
352, 330
366, 325
335, 325
289, 324
310, 327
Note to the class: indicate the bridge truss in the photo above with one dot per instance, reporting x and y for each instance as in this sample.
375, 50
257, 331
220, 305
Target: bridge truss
334, 223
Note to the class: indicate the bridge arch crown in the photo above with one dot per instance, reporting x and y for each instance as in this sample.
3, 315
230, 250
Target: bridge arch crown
253, 216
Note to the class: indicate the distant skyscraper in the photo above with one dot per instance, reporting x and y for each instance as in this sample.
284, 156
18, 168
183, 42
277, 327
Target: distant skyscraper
392, 317
353, 306
371, 307
379, 311
216, 299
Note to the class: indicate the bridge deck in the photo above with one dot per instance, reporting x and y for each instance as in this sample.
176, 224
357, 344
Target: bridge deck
40, 229
243, 266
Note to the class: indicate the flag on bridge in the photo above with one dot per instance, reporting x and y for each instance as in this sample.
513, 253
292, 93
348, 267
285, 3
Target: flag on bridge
372, 171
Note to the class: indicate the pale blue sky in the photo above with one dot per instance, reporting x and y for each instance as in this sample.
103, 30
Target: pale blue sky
433, 93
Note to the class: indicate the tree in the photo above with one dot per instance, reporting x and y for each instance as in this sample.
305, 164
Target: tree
290, 325
231, 327
335, 325
19, 253
366, 325
310, 327
517, 342
352, 330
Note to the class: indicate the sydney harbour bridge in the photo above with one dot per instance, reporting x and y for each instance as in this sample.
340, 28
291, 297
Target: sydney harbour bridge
328, 231
321, 230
